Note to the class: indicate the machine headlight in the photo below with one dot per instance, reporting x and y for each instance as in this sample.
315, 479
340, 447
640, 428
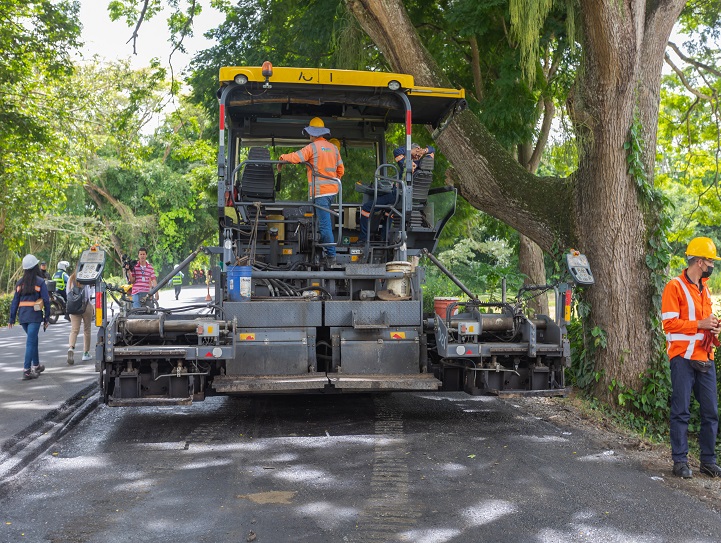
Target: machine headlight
394, 85
241, 79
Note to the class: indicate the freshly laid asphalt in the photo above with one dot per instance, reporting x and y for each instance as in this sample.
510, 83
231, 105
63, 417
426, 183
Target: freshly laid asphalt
34, 414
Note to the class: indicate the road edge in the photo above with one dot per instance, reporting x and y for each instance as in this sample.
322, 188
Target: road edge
28, 444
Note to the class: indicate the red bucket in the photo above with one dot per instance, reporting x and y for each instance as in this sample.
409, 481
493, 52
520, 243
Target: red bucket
440, 305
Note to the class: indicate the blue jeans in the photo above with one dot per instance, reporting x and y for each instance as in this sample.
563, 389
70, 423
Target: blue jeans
32, 354
136, 299
382, 200
325, 225
685, 379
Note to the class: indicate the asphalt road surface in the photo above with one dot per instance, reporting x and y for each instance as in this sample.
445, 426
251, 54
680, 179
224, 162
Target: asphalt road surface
416, 467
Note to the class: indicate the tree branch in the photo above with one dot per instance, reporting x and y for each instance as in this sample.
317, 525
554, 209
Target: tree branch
117, 245
94, 191
178, 45
693, 62
134, 36
476, 69
685, 82
548, 114
491, 179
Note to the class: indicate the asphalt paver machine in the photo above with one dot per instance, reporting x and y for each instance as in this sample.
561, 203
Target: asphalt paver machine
283, 319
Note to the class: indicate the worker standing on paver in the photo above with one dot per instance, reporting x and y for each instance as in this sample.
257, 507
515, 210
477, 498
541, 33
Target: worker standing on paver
326, 163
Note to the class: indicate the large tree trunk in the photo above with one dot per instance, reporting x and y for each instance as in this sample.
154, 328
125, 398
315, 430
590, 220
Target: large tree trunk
530, 262
623, 51
598, 210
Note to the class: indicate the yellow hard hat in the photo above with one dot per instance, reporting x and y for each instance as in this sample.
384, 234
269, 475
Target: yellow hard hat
703, 248
336, 142
316, 128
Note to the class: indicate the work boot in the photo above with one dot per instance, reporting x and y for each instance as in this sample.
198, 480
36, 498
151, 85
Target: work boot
681, 469
39, 369
29, 374
329, 261
71, 357
712, 470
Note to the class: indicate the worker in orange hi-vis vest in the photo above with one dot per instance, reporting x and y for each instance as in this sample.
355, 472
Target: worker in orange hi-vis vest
691, 337
325, 160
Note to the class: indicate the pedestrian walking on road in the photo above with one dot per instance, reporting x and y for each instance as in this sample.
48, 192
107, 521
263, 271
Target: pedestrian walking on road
86, 317
691, 337
31, 307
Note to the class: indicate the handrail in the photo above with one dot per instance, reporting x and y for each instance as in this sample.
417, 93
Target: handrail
395, 181
339, 214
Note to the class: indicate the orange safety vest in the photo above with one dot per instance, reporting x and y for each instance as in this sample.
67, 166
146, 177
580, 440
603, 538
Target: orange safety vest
325, 159
682, 306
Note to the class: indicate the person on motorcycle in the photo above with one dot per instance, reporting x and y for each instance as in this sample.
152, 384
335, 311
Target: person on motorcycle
44, 270
61, 279
61, 282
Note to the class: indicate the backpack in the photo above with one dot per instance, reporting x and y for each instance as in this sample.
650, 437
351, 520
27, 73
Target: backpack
76, 301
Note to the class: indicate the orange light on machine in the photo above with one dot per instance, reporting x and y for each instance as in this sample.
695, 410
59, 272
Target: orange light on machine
567, 306
267, 71
99, 305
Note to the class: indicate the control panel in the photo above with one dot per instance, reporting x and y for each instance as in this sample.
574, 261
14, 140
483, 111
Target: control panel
579, 268
90, 266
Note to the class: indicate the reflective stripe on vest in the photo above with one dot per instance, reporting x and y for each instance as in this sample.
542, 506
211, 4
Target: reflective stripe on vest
29, 303
177, 280
691, 338
20, 287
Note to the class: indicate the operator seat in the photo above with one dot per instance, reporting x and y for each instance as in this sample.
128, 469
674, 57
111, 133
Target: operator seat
257, 183
422, 179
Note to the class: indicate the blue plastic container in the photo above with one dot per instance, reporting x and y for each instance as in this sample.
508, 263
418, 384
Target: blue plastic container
239, 283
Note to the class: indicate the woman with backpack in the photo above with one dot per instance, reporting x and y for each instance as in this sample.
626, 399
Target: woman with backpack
80, 310
31, 307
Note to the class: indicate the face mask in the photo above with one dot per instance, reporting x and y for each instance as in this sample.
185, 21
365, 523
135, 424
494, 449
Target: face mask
707, 273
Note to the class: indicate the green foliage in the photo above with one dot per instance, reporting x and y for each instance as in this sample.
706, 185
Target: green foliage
527, 16
689, 147
507, 100
701, 21
37, 38
286, 32
480, 265
126, 187
5, 301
